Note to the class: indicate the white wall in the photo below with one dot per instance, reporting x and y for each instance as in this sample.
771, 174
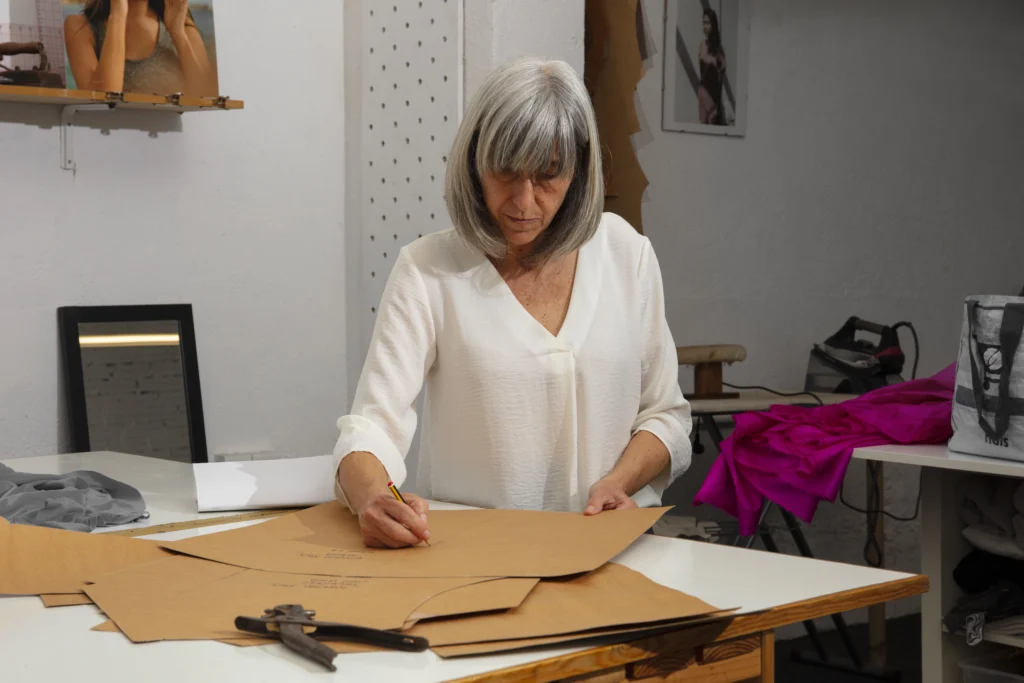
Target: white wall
497, 31
880, 176
238, 213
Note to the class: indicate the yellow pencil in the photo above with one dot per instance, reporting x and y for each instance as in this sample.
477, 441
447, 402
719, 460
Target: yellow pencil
398, 496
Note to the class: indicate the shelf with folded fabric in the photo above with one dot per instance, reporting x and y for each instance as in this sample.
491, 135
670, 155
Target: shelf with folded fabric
179, 103
994, 633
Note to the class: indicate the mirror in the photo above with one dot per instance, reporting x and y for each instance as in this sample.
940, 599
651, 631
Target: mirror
132, 381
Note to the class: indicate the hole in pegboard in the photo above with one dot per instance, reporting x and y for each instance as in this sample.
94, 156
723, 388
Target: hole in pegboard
431, 99
446, 78
394, 162
444, 159
420, 235
407, 65
383, 29
371, 88
371, 126
371, 238
384, 217
433, 59
373, 309
371, 11
431, 216
419, 159
371, 163
445, 38
394, 200
431, 21
385, 254
446, 118
407, 217
371, 201
373, 273
371, 50
420, 119
396, 237
394, 48
420, 198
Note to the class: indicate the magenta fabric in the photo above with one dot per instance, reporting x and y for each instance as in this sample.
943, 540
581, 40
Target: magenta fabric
796, 456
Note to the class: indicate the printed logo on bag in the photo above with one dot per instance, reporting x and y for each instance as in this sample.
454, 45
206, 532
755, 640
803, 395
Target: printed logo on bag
1004, 442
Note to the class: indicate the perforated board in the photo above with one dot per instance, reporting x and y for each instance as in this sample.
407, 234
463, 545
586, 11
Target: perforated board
410, 110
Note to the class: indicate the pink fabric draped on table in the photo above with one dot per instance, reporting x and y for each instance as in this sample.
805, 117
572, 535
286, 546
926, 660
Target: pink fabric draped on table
797, 457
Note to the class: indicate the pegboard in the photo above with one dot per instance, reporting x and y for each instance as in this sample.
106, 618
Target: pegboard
411, 106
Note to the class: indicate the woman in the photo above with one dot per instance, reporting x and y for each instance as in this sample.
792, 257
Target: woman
712, 73
536, 325
148, 46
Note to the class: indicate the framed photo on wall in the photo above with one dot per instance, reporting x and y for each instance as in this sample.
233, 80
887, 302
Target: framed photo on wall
705, 73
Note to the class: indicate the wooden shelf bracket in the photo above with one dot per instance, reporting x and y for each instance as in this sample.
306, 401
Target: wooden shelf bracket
67, 131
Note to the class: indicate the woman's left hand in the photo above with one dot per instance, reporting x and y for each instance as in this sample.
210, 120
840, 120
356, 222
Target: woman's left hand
608, 494
175, 15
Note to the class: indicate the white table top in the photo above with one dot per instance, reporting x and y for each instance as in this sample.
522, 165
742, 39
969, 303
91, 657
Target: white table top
57, 645
748, 401
941, 457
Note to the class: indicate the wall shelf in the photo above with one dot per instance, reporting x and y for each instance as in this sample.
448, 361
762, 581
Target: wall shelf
52, 96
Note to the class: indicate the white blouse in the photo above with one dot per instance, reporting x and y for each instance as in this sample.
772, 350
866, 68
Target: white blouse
515, 417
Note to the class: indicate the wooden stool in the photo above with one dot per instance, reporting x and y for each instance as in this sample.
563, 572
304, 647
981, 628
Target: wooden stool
707, 370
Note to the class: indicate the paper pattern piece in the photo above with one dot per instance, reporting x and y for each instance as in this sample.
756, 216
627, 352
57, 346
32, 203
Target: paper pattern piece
618, 634
65, 599
36, 560
260, 484
613, 595
183, 598
494, 543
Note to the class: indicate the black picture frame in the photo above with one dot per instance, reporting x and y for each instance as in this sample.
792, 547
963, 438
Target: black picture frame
69, 318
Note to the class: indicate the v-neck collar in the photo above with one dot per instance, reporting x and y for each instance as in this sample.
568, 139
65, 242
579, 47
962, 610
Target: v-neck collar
578, 318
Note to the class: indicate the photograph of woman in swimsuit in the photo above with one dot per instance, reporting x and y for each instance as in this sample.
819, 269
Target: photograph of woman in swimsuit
705, 66
158, 47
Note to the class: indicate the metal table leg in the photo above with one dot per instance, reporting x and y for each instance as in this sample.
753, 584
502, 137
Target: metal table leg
855, 663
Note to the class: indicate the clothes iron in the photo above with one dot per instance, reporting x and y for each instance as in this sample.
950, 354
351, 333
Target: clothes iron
845, 364
38, 76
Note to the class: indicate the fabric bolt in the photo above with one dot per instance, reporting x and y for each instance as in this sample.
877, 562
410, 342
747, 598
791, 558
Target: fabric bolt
514, 416
797, 457
76, 501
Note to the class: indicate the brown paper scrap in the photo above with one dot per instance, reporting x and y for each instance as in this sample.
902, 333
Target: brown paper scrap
36, 560
184, 598
65, 599
493, 543
613, 595
614, 634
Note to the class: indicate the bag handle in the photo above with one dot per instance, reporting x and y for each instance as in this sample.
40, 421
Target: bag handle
1010, 333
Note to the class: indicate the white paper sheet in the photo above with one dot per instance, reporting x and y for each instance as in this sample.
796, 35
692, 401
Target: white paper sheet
259, 484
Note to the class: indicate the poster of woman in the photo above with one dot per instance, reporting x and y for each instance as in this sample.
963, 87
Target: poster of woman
705, 87
159, 47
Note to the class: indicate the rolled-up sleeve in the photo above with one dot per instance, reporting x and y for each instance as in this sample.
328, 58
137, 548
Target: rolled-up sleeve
402, 349
664, 411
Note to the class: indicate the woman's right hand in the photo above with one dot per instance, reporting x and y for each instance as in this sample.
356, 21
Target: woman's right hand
388, 523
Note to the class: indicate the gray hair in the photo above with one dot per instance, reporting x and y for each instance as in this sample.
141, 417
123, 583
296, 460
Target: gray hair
524, 111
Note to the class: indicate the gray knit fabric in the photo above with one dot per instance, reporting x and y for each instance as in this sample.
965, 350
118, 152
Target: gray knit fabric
76, 501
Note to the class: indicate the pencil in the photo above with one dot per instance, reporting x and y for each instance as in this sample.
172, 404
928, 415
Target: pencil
398, 496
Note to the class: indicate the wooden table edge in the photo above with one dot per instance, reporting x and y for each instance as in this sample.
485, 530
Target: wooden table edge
620, 654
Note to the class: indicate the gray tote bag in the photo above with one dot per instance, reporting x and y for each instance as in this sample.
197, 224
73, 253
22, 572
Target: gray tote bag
988, 406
